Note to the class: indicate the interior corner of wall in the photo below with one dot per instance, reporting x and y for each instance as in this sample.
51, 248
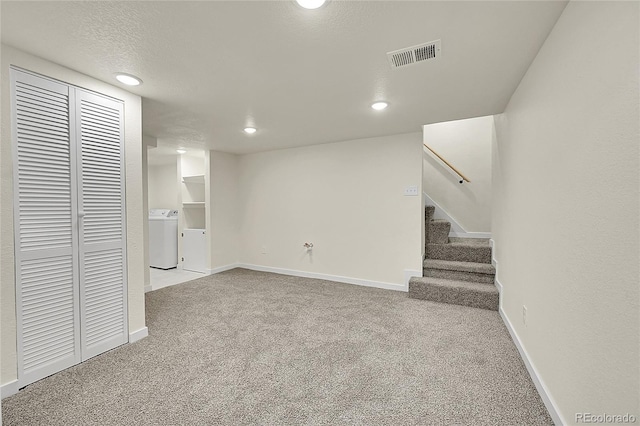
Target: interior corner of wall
149, 141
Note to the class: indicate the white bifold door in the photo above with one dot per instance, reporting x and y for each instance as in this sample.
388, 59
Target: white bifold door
69, 221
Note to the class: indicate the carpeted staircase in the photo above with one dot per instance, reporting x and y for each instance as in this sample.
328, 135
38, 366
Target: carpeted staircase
456, 270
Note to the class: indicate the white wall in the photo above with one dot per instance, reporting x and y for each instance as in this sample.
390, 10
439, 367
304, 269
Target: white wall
163, 186
145, 207
192, 164
566, 210
346, 198
466, 144
136, 247
223, 227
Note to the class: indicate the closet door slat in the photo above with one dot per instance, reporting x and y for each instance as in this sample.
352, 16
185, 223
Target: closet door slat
47, 279
102, 232
69, 222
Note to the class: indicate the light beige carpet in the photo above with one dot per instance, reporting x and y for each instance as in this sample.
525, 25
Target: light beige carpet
245, 347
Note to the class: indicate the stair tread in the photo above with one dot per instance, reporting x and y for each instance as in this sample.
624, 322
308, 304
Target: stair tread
442, 282
475, 295
440, 220
480, 242
459, 252
462, 244
454, 265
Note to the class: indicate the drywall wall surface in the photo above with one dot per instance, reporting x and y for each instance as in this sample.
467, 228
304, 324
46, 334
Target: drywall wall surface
146, 140
346, 198
222, 209
134, 194
466, 144
163, 186
192, 163
3, 242
566, 210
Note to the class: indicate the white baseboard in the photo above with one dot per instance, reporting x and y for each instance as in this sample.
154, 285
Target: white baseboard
492, 244
457, 231
337, 278
222, 268
535, 377
440, 213
408, 273
9, 388
470, 234
148, 288
138, 334
498, 285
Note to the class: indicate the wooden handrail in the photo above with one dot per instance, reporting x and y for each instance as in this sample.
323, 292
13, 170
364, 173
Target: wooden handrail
464, 178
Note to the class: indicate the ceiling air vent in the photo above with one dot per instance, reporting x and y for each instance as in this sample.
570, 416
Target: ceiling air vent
414, 54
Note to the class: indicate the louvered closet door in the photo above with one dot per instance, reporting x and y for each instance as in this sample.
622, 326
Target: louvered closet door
44, 221
103, 285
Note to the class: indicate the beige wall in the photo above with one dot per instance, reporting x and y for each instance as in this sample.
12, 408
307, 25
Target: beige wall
346, 198
566, 210
222, 209
136, 215
466, 144
163, 186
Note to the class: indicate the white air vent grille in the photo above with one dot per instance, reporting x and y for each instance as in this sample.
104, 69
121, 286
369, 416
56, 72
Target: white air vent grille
414, 54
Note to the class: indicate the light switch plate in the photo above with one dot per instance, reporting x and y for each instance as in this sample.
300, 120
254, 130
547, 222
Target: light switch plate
411, 191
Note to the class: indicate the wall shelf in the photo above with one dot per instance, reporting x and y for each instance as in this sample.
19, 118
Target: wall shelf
193, 204
192, 196
199, 179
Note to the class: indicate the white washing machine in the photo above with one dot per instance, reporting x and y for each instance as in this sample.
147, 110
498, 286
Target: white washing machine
163, 238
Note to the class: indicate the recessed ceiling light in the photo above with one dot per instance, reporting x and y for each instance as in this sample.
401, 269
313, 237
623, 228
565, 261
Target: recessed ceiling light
379, 106
250, 130
128, 79
181, 151
311, 4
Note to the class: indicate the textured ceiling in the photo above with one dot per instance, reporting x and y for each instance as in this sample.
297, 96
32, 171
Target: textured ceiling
301, 77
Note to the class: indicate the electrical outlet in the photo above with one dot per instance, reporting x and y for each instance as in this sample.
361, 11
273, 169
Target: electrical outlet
263, 250
524, 315
411, 190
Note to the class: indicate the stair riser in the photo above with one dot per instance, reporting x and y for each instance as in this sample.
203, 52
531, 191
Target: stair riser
472, 277
462, 297
438, 232
459, 253
428, 213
